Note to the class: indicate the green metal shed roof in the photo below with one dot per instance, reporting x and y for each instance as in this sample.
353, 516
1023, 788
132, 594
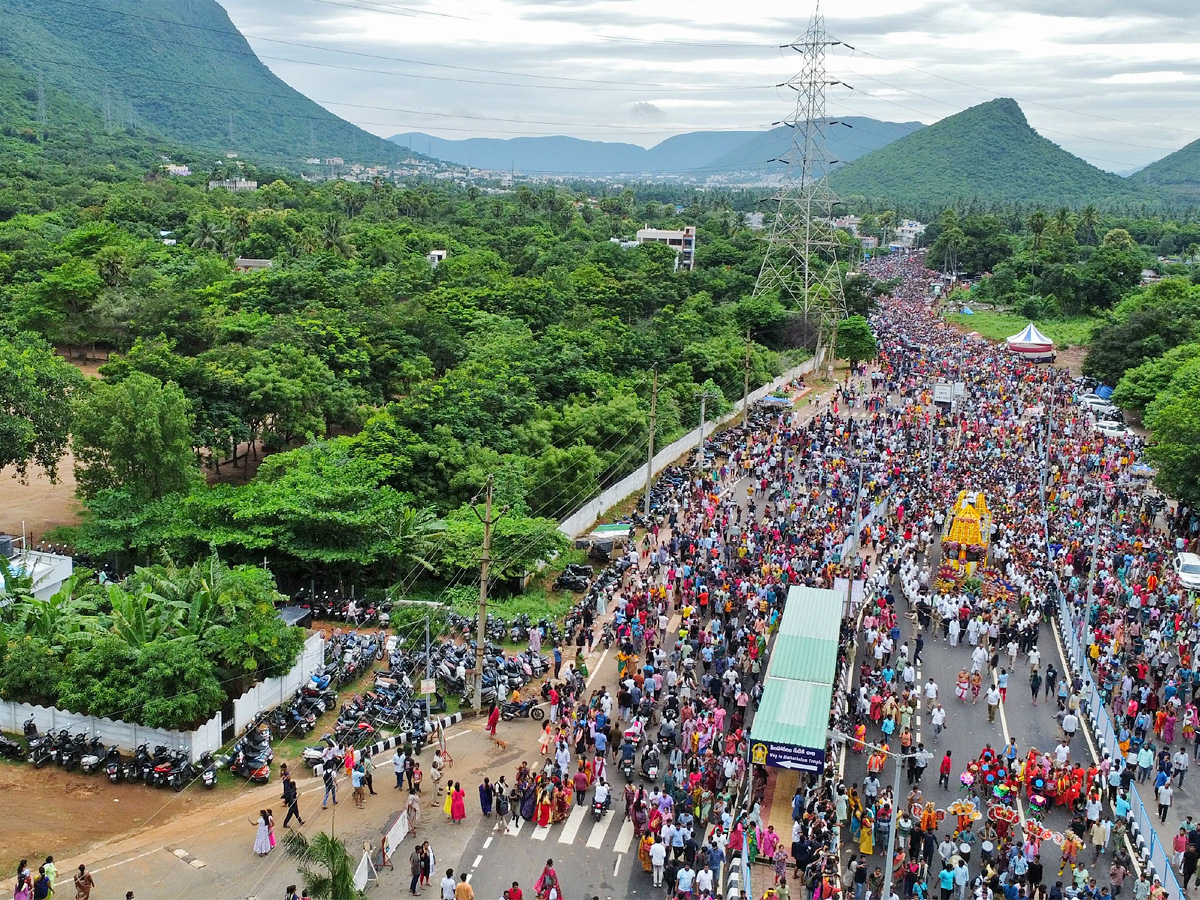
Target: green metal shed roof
798, 692
793, 712
812, 612
803, 659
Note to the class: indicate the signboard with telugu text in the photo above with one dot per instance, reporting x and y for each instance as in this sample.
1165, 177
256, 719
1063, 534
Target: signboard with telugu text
787, 756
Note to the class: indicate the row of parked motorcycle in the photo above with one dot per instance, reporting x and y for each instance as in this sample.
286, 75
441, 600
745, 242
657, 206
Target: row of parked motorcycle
160, 767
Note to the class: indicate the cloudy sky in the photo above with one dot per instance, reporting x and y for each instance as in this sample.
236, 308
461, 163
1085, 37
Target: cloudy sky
1114, 81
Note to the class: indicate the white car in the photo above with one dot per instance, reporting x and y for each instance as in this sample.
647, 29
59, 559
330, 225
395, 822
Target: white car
1088, 399
1099, 404
1187, 567
1111, 429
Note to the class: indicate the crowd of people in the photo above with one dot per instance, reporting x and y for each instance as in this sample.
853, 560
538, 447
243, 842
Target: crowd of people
784, 502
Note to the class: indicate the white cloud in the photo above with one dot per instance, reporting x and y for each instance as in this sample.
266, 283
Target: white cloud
1109, 80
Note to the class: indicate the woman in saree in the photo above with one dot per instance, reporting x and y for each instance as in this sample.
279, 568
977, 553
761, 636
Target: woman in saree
704, 806
866, 835
644, 845
528, 799
640, 819
545, 806
562, 805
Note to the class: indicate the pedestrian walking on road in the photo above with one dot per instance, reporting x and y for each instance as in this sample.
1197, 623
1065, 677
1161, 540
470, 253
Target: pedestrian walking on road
993, 702
1035, 684
291, 797
944, 771
330, 779
262, 837
83, 884
493, 720
1165, 793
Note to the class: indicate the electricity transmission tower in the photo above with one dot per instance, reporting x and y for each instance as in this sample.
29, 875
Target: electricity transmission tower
41, 100
800, 265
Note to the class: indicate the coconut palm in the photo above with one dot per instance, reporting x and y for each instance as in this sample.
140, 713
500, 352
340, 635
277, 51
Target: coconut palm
333, 236
206, 235
1037, 227
324, 864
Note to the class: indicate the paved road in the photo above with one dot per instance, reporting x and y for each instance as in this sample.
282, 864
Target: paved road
967, 730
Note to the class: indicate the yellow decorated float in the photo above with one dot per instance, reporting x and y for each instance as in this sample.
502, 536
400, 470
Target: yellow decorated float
967, 533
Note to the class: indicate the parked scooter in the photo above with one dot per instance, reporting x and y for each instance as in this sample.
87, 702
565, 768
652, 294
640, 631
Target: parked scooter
526, 709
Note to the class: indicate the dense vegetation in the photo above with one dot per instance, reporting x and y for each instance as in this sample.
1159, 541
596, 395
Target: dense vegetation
126, 651
382, 390
988, 154
1177, 172
181, 71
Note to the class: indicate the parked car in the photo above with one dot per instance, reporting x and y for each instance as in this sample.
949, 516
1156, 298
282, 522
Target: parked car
1111, 429
1187, 567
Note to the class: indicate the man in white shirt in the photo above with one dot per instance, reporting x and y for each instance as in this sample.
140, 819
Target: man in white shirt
931, 693
1179, 764
447, 885
938, 719
658, 858
704, 880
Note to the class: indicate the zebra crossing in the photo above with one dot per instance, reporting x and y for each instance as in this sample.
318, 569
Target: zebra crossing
568, 832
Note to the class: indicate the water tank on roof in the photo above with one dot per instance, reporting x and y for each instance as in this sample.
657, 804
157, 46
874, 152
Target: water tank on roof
7, 548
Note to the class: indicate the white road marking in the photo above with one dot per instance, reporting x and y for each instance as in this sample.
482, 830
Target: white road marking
488, 842
478, 860
596, 671
617, 864
541, 832
596, 839
513, 832
571, 826
625, 837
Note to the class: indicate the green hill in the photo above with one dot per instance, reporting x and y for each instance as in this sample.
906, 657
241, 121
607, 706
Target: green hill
180, 70
1178, 172
987, 153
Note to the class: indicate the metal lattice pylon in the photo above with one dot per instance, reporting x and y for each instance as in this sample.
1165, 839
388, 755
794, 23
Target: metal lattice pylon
800, 265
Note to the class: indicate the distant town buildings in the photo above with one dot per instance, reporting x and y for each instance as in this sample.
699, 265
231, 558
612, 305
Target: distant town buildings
754, 221
436, 257
233, 184
177, 170
683, 240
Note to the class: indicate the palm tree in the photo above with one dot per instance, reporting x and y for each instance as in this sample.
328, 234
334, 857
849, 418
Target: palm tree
207, 235
324, 864
1037, 227
1192, 251
1087, 225
333, 236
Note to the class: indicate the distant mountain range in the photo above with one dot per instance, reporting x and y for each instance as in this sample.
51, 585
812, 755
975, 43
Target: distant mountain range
988, 152
696, 154
180, 70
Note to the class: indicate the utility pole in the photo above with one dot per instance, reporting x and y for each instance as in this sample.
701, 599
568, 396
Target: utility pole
650, 444
746, 383
231, 131
802, 229
704, 396
485, 561
107, 111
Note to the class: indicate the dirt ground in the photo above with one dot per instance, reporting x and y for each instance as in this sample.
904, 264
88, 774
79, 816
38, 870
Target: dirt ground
1072, 358
39, 504
65, 813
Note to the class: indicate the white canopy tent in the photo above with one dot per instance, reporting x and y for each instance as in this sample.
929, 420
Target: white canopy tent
1032, 344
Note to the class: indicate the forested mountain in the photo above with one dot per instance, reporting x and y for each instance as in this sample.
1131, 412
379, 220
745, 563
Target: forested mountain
699, 153
987, 153
1179, 172
180, 70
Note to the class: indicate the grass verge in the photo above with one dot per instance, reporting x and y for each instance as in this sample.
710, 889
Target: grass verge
999, 326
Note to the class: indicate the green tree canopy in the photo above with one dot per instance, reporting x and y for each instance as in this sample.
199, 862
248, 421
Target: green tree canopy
136, 436
36, 387
855, 340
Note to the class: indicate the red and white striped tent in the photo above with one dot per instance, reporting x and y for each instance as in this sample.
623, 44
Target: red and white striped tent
1032, 344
